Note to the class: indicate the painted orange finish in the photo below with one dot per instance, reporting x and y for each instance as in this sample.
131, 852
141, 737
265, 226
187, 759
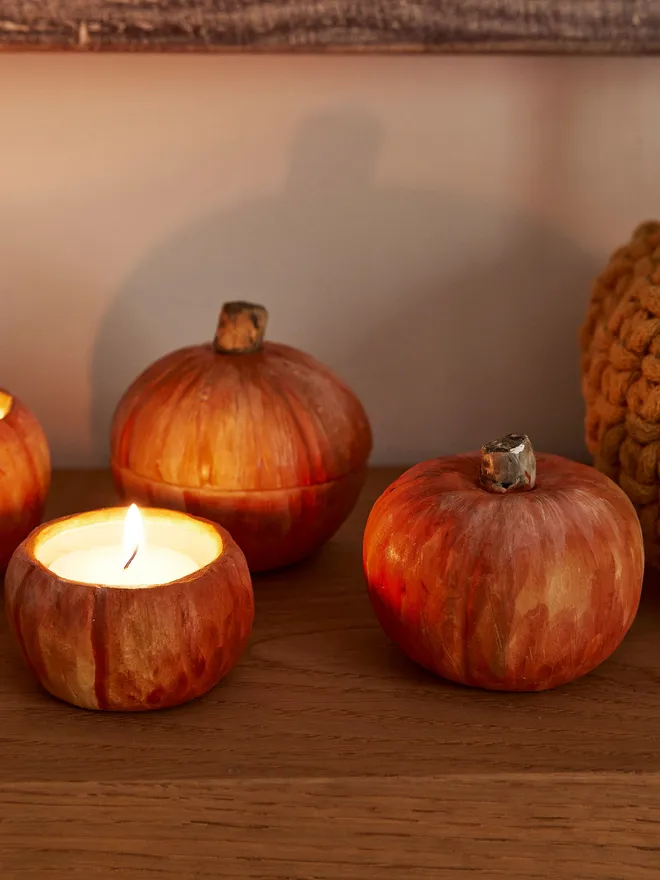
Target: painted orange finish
521, 591
129, 648
270, 444
24, 474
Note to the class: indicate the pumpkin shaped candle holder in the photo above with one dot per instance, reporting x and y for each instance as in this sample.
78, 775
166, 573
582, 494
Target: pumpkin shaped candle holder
502, 569
256, 436
24, 474
99, 636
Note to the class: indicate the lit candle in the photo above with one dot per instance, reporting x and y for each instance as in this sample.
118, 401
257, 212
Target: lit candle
129, 610
131, 563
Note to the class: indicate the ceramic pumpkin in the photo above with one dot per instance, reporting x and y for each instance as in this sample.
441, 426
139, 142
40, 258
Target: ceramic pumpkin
257, 436
129, 648
24, 474
504, 570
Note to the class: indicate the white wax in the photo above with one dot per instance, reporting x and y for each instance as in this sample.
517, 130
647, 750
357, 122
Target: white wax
105, 565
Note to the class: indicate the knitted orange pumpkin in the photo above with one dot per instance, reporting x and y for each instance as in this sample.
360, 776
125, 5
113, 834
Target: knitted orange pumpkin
621, 376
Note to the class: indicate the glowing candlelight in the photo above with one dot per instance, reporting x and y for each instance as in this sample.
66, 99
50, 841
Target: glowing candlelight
131, 562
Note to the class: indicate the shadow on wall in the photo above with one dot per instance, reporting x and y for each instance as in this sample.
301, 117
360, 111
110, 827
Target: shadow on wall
453, 319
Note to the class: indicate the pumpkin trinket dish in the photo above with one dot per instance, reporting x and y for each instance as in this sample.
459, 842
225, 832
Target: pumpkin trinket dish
256, 436
505, 570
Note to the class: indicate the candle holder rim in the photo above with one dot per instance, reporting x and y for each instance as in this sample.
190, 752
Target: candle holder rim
27, 547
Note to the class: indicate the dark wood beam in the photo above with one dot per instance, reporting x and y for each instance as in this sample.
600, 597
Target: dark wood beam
522, 26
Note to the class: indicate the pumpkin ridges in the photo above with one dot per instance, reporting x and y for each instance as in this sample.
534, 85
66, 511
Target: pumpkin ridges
205, 457
158, 412
31, 439
301, 424
129, 406
22, 432
24, 476
306, 458
167, 428
223, 410
14, 594
320, 448
251, 427
347, 407
295, 465
99, 626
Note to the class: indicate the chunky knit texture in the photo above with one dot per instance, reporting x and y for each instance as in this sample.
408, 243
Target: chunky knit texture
621, 376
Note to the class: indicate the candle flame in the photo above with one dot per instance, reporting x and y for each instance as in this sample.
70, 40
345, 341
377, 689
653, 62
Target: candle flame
133, 534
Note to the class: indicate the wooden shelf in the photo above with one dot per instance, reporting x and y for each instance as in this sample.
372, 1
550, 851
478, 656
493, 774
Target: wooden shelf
327, 754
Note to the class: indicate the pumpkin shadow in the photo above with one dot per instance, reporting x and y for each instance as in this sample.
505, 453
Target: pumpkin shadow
447, 314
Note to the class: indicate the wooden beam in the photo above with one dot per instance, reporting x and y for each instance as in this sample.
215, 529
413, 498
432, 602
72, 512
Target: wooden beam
522, 26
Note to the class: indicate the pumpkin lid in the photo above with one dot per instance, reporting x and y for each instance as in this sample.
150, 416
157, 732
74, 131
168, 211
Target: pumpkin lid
240, 414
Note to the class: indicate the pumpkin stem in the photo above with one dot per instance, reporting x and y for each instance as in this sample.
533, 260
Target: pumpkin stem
241, 328
508, 464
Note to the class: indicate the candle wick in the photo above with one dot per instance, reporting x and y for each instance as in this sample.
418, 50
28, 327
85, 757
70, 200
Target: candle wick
132, 557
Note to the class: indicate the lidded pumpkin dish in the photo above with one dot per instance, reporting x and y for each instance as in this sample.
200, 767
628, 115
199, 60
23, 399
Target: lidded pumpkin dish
254, 435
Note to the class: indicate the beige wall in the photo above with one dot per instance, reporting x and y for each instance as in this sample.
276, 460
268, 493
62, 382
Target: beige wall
426, 226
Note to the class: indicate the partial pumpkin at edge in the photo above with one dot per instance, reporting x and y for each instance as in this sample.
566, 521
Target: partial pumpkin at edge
25, 473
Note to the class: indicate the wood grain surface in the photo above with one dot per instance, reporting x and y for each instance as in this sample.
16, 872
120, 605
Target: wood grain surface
605, 26
327, 754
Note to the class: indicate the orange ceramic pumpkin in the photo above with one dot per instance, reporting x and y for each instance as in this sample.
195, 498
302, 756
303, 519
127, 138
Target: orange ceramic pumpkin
24, 474
254, 435
130, 648
502, 570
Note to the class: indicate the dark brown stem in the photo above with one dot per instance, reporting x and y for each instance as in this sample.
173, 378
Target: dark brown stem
241, 328
132, 556
508, 464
